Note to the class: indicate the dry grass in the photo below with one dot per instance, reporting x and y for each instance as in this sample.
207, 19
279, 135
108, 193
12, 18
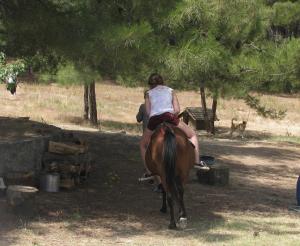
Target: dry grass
117, 107
257, 172
234, 230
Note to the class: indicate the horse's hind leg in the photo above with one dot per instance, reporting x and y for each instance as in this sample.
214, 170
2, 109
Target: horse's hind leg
172, 217
182, 211
164, 200
182, 223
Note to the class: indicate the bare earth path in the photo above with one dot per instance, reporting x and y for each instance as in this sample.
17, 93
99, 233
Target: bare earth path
113, 209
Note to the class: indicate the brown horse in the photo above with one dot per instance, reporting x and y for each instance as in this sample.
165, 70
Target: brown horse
171, 155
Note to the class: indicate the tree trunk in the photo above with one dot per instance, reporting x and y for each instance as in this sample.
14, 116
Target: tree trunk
214, 110
92, 104
86, 102
203, 103
30, 74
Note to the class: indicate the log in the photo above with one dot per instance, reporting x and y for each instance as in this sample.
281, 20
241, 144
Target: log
49, 158
18, 194
69, 168
20, 178
217, 175
66, 148
67, 183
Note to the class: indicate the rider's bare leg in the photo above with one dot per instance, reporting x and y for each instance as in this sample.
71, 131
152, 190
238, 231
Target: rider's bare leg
143, 146
191, 134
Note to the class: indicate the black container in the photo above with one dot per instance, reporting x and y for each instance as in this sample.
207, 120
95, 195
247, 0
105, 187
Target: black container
208, 160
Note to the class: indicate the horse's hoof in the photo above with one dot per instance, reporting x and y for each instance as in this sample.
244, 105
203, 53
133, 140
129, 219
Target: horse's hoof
163, 210
182, 223
172, 226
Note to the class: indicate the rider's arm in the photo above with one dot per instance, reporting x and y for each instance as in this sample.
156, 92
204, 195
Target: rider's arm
139, 116
175, 104
148, 104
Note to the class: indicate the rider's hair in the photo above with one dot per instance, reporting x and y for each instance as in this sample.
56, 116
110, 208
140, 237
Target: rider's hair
155, 79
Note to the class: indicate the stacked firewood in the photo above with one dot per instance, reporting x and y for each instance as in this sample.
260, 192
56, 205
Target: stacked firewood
70, 158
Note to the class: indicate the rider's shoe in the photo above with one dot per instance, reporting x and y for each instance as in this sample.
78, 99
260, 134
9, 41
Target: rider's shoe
147, 177
202, 165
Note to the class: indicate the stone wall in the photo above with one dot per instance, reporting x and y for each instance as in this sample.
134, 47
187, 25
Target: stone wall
22, 155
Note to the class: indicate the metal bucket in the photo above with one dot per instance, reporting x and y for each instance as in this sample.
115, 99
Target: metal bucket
2, 187
50, 182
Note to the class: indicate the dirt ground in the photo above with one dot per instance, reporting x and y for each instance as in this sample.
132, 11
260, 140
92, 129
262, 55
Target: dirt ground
112, 208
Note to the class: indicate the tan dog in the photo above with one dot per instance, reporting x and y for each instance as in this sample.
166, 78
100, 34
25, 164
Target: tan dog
240, 127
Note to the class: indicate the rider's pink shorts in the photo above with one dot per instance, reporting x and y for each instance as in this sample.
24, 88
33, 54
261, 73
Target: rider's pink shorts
156, 120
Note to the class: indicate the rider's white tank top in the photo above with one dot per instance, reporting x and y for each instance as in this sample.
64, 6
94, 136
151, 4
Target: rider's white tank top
161, 100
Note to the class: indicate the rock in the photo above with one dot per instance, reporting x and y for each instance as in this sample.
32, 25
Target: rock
18, 194
217, 175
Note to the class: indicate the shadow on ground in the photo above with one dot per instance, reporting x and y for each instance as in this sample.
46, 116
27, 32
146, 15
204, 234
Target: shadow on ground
113, 199
106, 124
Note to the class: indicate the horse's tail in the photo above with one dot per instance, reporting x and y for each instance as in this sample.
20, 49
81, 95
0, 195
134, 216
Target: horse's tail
170, 161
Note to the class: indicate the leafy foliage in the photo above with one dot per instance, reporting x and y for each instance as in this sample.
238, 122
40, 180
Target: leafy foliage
13, 68
9, 72
254, 102
233, 47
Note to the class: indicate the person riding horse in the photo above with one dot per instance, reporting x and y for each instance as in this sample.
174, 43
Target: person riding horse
169, 147
162, 106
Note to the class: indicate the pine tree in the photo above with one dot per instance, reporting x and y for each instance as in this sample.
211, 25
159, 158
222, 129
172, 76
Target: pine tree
93, 38
208, 36
226, 46
230, 47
